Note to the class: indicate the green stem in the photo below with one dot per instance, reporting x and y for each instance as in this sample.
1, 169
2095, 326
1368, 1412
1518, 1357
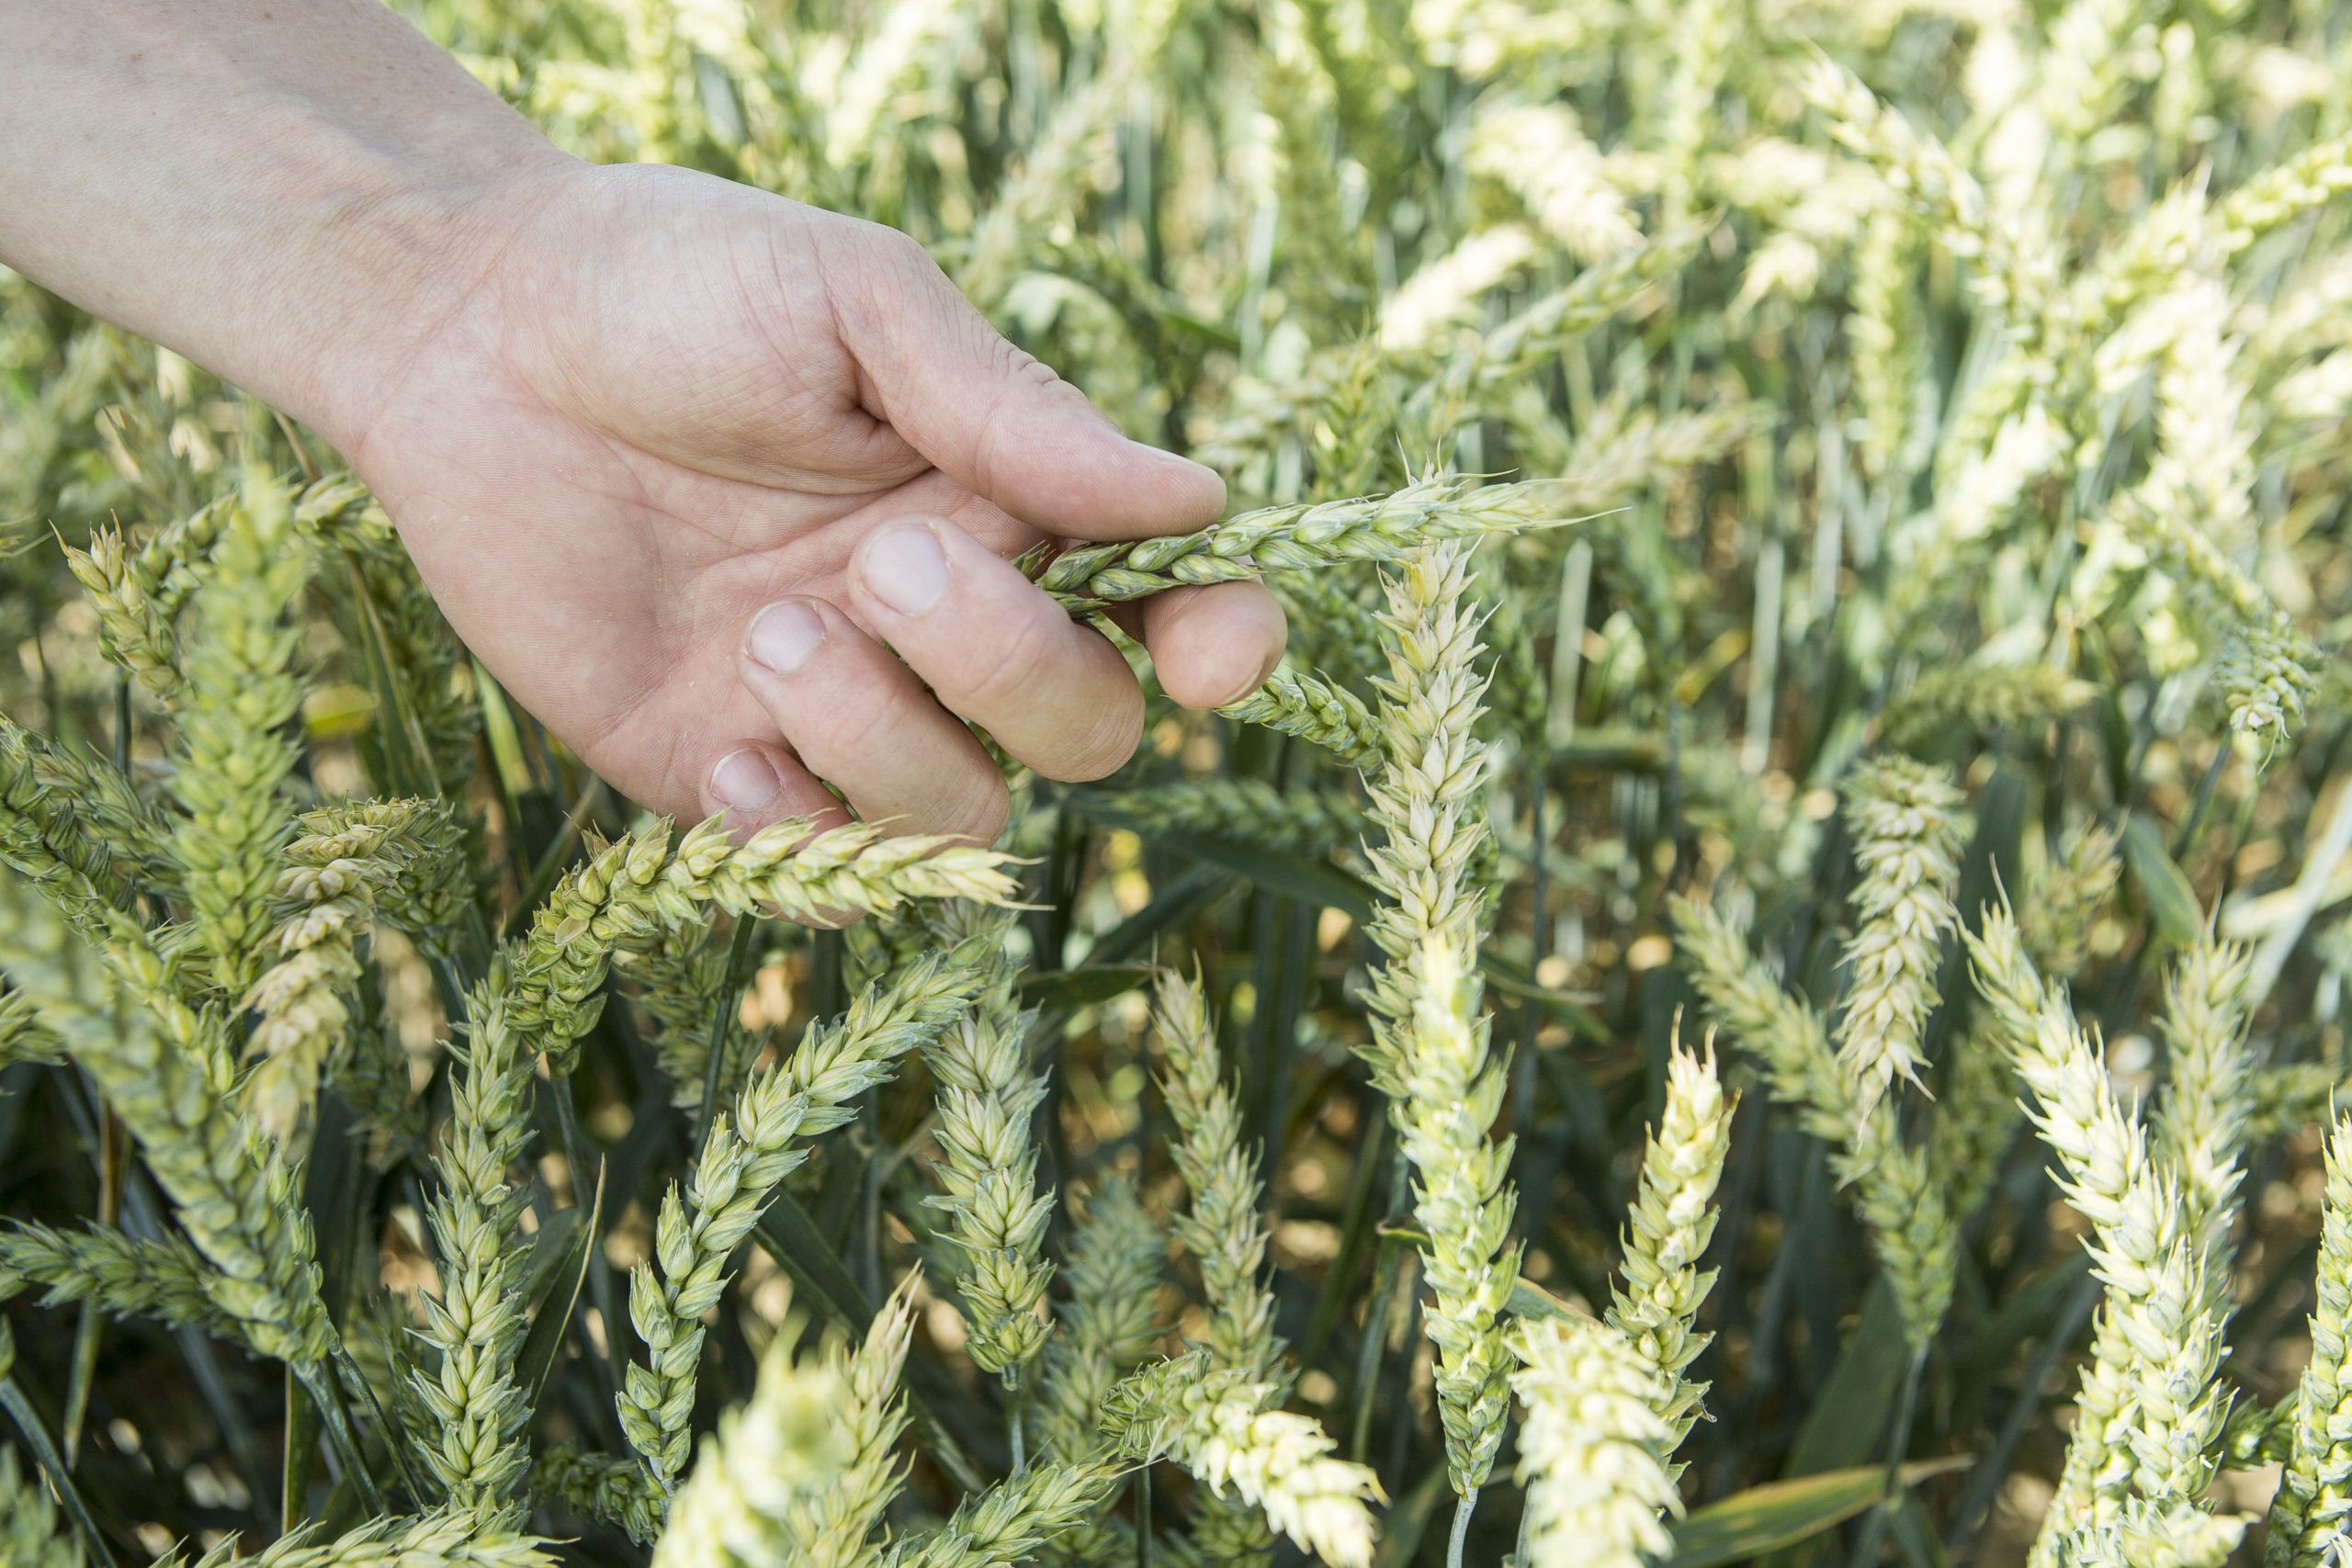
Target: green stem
714, 1066
122, 725
79, 1377
1891, 1490
328, 1398
301, 1450
28, 1424
1386, 1271
1461, 1531
392, 1435
587, 1178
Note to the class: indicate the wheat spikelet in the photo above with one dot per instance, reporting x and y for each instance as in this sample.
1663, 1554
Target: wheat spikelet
2143, 1536
1104, 1330
1224, 1232
1304, 821
1987, 697
42, 840
1667, 1231
1907, 834
2200, 1127
1447, 290
681, 976
445, 1538
832, 1528
239, 693
1895, 1192
774, 1455
30, 1535
2056, 921
2307, 1512
1316, 711
476, 1409
1542, 154
24, 1035
165, 1069
740, 1166
401, 859
1592, 1453
1218, 1426
988, 1164
616, 1491
1430, 1045
2149, 1411
1011, 1520
162, 1280
1976, 1119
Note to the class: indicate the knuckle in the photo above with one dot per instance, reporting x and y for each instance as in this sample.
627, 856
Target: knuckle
982, 812
852, 724
1010, 672
1108, 739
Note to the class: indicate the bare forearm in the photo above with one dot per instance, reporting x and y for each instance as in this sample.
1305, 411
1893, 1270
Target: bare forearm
291, 192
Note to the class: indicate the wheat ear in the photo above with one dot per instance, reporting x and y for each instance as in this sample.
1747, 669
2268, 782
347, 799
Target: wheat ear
1592, 1450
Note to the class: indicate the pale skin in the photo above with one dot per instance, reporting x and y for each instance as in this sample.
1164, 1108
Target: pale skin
722, 488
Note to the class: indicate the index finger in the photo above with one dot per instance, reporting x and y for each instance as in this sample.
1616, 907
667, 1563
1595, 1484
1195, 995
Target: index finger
995, 419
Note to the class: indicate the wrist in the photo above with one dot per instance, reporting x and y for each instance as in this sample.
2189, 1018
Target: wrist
397, 261
291, 197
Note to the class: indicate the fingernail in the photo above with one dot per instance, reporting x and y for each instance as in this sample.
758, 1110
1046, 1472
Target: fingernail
905, 567
745, 780
784, 634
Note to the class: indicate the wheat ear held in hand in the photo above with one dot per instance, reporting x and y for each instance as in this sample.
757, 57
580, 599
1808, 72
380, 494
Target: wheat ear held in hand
1306, 535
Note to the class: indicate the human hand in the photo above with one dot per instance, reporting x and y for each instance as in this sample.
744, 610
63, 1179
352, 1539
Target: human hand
687, 456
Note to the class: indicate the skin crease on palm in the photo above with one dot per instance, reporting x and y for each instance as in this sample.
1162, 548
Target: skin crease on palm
722, 488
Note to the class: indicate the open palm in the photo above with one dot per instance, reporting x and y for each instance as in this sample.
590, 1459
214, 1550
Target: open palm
723, 489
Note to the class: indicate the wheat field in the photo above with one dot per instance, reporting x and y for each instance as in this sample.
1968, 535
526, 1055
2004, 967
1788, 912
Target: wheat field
1764, 984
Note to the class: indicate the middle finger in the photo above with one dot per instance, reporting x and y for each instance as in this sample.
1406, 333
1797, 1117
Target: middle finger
996, 650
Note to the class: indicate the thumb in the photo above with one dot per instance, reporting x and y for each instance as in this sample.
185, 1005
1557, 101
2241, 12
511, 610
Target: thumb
999, 422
